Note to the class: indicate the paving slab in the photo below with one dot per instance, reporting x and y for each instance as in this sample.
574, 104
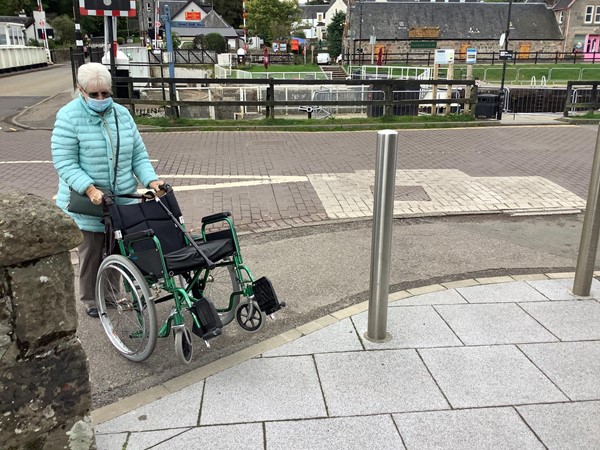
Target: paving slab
562, 289
373, 432
263, 389
338, 337
573, 366
485, 428
247, 436
518, 291
487, 324
488, 376
110, 441
565, 425
161, 414
377, 382
448, 296
568, 320
145, 439
410, 327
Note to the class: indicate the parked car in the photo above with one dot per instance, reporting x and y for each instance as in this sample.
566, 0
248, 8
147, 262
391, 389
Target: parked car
323, 58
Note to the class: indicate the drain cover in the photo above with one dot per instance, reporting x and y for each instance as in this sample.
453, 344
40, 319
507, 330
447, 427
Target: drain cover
409, 194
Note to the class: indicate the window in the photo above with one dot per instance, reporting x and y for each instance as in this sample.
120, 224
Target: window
589, 11
148, 7
319, 17
561, 17
597, 15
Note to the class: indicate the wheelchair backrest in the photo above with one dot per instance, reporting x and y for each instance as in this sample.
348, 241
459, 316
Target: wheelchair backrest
149, 215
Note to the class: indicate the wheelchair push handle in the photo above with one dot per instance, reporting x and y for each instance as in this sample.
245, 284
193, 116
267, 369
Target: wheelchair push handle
163, 189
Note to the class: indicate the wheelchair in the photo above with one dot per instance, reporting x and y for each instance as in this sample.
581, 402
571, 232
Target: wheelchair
150, 257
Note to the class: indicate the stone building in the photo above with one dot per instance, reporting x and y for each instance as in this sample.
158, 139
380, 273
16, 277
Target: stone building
402, 27
579, 22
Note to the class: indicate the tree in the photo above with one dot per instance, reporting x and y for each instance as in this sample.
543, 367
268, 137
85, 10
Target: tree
12, 7
230, 11
64, 29
335, 33
272, 19
211, 41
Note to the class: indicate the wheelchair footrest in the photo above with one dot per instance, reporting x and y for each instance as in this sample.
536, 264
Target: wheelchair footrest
265, 296
210, 322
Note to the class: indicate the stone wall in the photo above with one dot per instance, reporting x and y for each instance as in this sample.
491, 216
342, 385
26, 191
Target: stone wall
44, 377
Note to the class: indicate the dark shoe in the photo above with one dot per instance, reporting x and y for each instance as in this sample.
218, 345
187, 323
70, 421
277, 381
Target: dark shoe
93, 312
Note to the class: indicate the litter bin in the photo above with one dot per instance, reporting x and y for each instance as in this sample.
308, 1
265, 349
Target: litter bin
487, 106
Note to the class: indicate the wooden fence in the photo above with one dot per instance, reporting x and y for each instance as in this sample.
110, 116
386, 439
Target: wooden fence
388, 101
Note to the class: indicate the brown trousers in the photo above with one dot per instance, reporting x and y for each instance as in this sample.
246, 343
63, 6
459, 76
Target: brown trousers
90, 257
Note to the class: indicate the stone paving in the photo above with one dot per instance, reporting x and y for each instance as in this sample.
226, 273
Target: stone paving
488, 365
285, 179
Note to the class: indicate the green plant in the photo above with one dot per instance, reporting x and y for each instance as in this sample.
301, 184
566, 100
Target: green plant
34, 43
214, 42
120, 40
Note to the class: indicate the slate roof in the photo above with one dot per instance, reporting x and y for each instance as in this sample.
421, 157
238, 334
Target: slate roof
212, 23
310, 11
457, 21
563, 4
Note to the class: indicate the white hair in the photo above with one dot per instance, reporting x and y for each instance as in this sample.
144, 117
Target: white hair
94, 72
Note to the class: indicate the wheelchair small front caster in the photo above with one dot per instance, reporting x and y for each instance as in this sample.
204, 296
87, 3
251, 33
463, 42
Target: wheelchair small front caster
183, 345
250, 319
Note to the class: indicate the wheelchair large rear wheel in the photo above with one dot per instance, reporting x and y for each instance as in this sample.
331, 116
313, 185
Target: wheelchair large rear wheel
126, 309
222, 282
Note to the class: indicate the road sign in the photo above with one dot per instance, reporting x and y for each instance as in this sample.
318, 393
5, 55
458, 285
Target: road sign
42, 23
157, 24
471, 56
506, 54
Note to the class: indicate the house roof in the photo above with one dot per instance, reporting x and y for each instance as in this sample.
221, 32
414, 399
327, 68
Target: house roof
212, 23
563, 4
456, 21
310, 11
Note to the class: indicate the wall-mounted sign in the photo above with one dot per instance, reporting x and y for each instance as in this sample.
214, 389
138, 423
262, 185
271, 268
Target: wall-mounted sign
423, 32
184, 24
471, 56
423, 44
444, 56
192, 15
506, 54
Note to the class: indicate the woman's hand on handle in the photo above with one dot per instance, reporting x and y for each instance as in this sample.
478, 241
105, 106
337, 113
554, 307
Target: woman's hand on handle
157, 185
94, 194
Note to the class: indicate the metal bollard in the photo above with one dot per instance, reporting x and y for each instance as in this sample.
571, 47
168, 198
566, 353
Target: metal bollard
589, 233
381, 244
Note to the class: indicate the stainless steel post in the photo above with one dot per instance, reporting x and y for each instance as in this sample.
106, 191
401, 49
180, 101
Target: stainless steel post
381, 244
590, 231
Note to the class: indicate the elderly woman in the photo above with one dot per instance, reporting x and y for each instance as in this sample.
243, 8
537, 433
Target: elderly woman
96, 144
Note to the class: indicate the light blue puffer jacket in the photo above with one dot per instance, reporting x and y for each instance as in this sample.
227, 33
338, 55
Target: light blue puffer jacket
83, 151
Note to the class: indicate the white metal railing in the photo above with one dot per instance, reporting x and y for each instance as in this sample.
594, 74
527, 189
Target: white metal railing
396, 72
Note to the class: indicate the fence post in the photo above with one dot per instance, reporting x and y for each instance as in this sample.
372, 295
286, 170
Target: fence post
568, 99
381, 241
590, 231
536, 57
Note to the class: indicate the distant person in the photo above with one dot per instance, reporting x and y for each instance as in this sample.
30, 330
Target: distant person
339, 59
96, 143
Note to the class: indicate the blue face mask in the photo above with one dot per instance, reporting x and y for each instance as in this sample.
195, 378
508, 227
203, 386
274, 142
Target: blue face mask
99, 106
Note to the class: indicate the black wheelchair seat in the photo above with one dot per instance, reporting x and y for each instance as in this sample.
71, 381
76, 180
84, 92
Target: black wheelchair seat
187, 258
138, 223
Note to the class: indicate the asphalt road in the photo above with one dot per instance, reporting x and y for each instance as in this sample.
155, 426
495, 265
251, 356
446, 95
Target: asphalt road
324, 265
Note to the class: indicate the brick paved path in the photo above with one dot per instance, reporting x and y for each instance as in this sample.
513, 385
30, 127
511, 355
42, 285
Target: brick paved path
279, 179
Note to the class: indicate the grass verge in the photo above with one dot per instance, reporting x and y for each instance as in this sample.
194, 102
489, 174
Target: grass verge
333, 124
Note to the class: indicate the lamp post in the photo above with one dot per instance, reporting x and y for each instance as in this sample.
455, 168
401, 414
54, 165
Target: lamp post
360, 49
501, 92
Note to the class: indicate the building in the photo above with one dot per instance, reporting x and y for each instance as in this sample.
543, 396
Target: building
579, 22
401, 27
316, 18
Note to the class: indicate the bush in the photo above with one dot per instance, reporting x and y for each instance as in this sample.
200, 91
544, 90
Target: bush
120, 40
214, 42
34, 43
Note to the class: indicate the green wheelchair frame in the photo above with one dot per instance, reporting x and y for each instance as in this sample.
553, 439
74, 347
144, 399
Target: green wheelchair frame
214, 294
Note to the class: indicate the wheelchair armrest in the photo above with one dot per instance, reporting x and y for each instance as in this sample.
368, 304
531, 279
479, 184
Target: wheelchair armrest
216, 217
138, 236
